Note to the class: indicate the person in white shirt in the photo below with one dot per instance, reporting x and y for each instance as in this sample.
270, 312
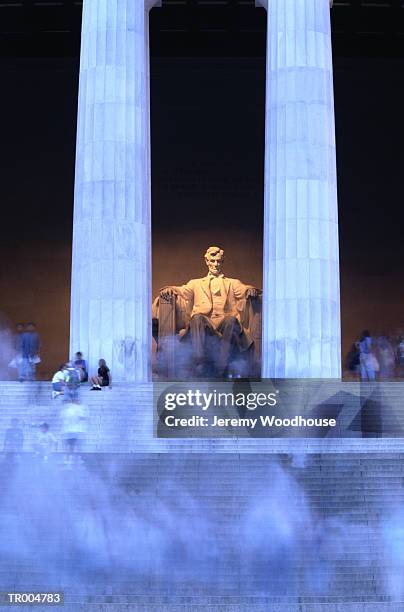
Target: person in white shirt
45, 443
74, 419
59, 381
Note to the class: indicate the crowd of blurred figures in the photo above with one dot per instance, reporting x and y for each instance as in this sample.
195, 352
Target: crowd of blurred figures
376, 357
371, 357
45, 445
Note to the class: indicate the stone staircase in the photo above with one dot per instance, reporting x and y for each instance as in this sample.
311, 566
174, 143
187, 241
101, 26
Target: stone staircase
121, 420
219, 525
189, 531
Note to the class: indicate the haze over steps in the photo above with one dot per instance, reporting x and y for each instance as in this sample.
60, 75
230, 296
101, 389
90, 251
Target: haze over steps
153, 525
185, 532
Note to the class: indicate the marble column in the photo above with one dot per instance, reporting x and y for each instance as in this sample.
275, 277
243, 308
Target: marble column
111, 271
301, 303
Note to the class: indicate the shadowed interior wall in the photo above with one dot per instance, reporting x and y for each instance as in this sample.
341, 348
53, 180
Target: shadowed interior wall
35, 286
207, 148
38, 125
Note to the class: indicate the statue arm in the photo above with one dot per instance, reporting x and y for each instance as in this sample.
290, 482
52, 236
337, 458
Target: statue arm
242, 291
184, 291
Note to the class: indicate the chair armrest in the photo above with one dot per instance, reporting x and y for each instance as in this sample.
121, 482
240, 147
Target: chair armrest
170, 315
251, 316
166, 316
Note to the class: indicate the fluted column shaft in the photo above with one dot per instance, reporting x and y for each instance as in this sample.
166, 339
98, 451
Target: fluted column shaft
111, 272
301, 303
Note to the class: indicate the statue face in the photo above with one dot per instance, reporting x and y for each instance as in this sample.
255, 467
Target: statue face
215, 262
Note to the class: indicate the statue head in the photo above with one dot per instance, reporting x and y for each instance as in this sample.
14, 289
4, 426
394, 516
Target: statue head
214, 258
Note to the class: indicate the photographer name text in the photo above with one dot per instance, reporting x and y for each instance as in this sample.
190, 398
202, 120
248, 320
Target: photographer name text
251, 423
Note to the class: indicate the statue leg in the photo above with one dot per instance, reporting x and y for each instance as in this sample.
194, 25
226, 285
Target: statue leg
229, 328
200, 327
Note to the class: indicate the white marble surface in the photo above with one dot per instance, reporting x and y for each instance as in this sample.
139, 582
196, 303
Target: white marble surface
301, 303
111, 273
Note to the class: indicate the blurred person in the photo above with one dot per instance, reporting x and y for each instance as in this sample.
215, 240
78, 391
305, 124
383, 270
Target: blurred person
72, 380
19, 330
45, 442
400, 356
386, 358
103, 379
74, 420
353, 361
59, 381
30, 344
368, 362
16, 361
7, 353
81, 365
13, 440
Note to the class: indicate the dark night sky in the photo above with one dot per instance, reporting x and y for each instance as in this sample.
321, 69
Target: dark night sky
207, 139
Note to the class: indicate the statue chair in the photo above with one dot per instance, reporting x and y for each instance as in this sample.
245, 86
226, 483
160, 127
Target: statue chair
174, 346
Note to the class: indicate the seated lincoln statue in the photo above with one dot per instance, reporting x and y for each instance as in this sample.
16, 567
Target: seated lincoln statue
213, 314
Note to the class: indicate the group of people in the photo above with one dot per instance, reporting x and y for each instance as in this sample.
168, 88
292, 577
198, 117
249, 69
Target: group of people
70, 375
73, 428
376, 357
74, 422
27, 348
66, 381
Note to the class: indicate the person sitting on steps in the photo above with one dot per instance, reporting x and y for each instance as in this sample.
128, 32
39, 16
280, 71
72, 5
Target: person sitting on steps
81, 365
59, 381
103, 379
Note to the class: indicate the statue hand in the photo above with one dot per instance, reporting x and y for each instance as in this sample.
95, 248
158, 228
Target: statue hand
251, 292
168, 294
